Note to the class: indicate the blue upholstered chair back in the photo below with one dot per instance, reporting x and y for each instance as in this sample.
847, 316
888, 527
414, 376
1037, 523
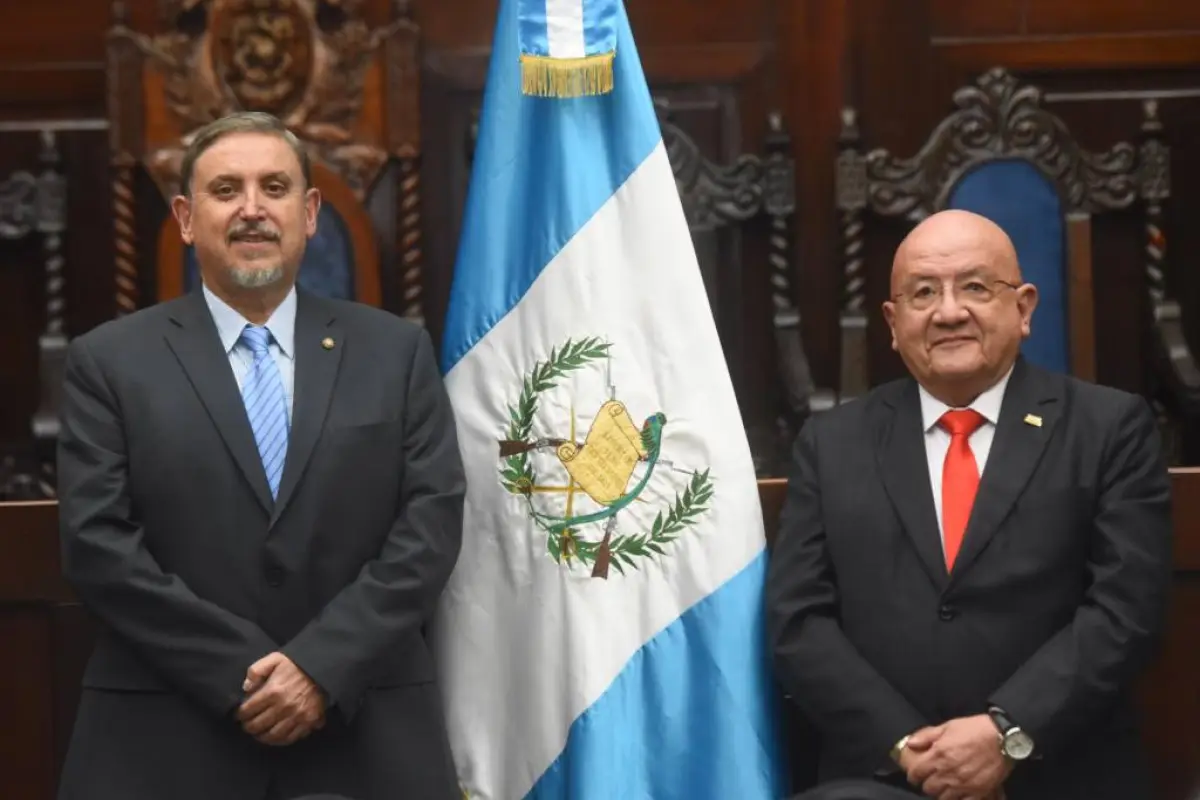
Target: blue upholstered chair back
328, 266
1016, 196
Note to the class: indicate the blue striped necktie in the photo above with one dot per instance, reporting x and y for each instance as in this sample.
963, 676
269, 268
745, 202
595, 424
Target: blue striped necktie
266, 405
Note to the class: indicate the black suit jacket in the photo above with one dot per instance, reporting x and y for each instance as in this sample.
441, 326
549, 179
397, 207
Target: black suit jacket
170, 536
1052, 608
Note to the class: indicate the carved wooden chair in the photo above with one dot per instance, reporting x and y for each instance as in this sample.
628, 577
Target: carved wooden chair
1002, 155
718, 199
349, 94
36, 206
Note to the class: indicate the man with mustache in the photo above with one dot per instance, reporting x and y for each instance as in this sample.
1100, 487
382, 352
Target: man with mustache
260, 501
973, 563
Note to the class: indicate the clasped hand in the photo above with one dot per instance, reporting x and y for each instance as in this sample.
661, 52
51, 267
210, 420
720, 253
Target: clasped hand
283, 704
959, 760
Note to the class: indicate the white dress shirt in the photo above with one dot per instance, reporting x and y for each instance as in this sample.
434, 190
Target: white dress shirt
937, 438
282, 326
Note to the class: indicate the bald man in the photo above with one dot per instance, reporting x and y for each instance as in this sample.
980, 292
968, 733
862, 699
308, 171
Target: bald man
973, 562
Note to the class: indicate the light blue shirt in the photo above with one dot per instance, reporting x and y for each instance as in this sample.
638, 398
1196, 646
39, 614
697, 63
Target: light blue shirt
282, 326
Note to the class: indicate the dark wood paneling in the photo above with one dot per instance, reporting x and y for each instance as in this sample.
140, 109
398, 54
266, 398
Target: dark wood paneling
27, 752
1073, 52
1109, 16
52, 56
31, 680
995, 18
818, 33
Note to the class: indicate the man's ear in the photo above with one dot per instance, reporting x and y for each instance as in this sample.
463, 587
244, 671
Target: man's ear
889, 315
1027, 300
181, 209
312, 207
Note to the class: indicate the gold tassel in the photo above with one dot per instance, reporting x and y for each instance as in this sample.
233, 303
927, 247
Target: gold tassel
542, 76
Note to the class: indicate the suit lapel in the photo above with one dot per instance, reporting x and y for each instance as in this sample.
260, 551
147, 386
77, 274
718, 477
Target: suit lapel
1017, 447
192, 337
900, 448
316, 372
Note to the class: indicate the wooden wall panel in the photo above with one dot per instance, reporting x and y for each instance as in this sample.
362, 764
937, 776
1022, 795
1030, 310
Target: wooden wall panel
1057, 17
27, 748
953, 18
815, 79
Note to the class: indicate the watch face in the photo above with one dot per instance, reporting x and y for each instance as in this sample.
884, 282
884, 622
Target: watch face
1017, 745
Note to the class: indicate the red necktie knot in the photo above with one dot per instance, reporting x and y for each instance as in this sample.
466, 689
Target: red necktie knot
962, 422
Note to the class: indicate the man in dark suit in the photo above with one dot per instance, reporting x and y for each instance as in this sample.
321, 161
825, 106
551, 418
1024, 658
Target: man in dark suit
261, 499
973, 563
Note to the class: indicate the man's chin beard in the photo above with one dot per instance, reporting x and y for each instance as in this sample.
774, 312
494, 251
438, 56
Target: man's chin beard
255, 278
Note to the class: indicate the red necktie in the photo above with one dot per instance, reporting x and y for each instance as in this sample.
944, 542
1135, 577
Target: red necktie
960, 478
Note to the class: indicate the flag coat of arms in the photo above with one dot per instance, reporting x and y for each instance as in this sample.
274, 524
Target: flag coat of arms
602, 633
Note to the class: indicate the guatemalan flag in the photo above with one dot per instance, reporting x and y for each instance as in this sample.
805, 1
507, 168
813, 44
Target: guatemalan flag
602, 634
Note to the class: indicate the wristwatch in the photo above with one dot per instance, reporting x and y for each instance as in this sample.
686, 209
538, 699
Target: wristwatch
1014, 742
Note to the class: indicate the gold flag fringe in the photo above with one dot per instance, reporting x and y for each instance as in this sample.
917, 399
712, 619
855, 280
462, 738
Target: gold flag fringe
542, 76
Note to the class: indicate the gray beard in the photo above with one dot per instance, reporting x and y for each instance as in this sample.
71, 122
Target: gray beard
255, 278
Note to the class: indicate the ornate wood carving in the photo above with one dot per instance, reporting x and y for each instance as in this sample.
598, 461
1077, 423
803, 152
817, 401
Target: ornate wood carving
308, 62
403, 141
409, 245
1182, 376
37, 204
800, 396
125, 145
713, 195
302, 60
998, 118
851, 201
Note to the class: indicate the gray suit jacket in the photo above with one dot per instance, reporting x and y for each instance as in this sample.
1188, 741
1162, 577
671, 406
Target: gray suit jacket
171, 538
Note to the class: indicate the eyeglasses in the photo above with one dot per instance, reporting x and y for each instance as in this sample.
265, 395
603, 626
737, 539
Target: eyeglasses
969, 292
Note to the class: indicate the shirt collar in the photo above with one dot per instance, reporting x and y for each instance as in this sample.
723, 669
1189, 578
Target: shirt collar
230, 322
987, 404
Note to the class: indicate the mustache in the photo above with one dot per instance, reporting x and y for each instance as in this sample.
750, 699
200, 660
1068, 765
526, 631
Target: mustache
246, 229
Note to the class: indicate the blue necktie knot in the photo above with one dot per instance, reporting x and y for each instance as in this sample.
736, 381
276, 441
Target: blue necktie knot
257, 339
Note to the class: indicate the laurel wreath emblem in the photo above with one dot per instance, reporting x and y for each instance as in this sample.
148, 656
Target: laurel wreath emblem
519, 477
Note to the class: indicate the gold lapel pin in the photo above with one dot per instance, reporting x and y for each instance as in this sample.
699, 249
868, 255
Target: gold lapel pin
327, 343
1034, 420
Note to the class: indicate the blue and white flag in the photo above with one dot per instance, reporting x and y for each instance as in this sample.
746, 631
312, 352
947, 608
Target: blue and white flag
602, 635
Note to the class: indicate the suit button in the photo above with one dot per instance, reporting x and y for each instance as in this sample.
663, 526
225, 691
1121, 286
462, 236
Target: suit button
274, 575
947, 613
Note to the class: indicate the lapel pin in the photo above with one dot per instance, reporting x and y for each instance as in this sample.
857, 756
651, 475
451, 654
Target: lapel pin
327, 343
1030, 419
